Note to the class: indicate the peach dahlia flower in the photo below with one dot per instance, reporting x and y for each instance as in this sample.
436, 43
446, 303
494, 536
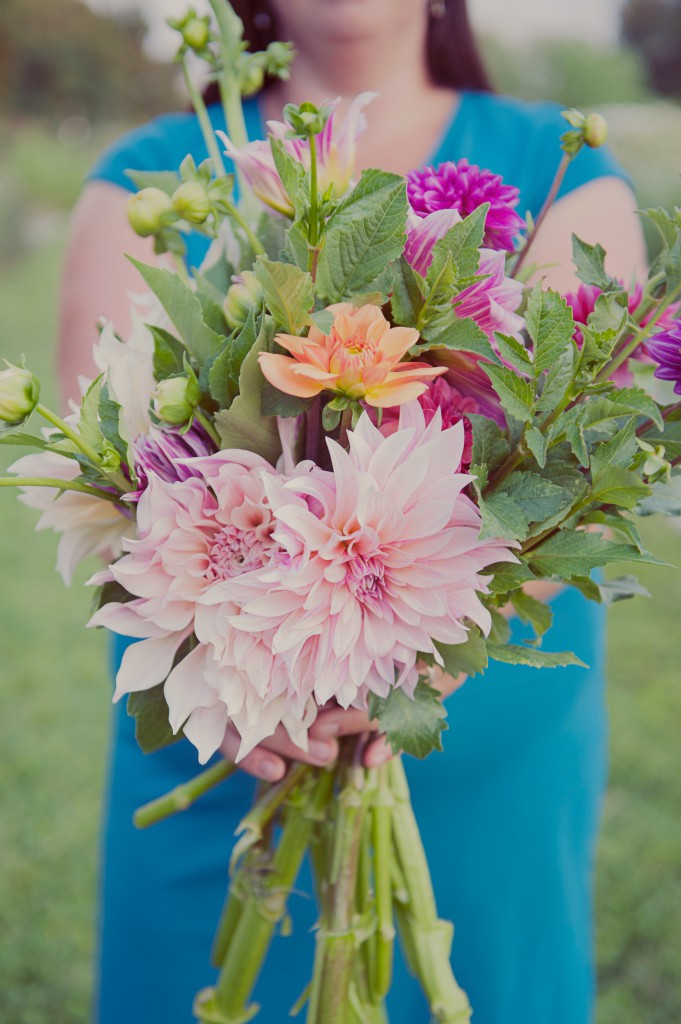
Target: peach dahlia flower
360, 359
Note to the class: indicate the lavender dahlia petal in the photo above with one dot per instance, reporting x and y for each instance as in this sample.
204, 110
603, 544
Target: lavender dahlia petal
464, 187
665, 349
161, 452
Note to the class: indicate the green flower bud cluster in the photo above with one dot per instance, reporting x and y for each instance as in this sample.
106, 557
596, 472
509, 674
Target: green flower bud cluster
588, 130
19, 395
194, 29
242, 296
150, 211
274, 62
656, 466
306, 119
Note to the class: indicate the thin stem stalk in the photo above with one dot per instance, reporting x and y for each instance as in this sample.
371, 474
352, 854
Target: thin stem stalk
208, 426
88, 451
207, 129
183, 796
59, 485
548, 203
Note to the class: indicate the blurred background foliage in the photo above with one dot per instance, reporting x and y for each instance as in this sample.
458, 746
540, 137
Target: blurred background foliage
70, 81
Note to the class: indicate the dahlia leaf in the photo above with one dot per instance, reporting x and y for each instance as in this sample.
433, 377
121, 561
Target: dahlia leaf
514, 352
150, 711
407, 297
665, 499
515, 393
109, 421
557, 381
490, 447
277, 403
619, 451
538, 443
617, 522
509, 576
19, 437
620, 487
664, 223
88, 420
243, 425
459, 334
589, 261
551, 325
169, 353
571, 553
322, 320
412, 725
184, 309
621, 589
462, 245
166, 181
470, 657
531, 611
289, 293
365, 234
540, 499
223, 376
503, 517
291, 172
515, 654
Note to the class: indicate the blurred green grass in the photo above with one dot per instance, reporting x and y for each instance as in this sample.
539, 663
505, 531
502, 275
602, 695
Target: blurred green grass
54, 700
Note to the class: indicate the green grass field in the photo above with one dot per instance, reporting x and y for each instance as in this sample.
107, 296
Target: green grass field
54, 700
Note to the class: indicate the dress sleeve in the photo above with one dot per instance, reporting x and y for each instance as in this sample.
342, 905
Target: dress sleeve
146, 148
587, 166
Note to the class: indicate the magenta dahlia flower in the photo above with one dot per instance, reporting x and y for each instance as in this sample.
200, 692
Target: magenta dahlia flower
464, 187
665, 349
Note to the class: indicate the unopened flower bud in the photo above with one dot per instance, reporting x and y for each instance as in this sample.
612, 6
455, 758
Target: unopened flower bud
19, 394
191, 203
306, 119
595, 130
241, 298
195, 31
146, 211
175, 400
252, 79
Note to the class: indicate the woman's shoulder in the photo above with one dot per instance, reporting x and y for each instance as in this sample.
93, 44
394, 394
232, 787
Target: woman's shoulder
521, 140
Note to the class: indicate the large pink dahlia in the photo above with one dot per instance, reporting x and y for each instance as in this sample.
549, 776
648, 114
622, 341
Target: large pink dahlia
380, 556
464, 187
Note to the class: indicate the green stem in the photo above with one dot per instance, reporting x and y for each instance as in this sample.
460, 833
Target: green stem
427, 938
336, 937
548, 203
181, 267
183, 796
208, 426
381, 815
60, 485
252, 826
265, 906
238, 218
314, 193
95, 458
207, 129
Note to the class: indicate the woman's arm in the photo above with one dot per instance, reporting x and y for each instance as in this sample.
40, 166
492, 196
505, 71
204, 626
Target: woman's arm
96, 279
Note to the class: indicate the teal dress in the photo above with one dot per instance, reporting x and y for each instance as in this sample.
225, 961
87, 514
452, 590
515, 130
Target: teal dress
509, 812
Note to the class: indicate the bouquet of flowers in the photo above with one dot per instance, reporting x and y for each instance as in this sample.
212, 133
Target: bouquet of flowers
321, 467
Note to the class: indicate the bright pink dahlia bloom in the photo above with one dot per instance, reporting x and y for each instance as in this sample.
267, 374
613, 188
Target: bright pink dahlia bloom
454, 408
378, 557
583, 303
464, 187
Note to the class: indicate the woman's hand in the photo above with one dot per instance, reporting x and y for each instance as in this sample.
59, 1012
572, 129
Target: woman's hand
268, 760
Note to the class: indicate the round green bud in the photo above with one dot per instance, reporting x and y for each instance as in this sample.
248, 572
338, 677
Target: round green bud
146, 211
196, 33
19, 394
595, 130
191, 203
252, 78
242, 296
174, 402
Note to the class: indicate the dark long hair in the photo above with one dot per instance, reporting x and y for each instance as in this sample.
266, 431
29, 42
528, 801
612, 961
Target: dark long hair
454, 60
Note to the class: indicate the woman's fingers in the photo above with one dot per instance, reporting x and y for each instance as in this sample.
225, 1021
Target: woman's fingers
342, 722
378, 751
268, 761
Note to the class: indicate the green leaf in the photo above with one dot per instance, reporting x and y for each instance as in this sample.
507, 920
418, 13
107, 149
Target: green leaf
557, 381
322, 320
540, 499
571, 553
364, 235
291, 172
621, 487
166, 181
550, 324
665, 499
169, 353
469, 657
664, 223
508, 576
589, 261
150, 711
502, 517
514, 352
243, 424
223, 377
407, 294
490, 447
184, 309
88, 419
531, 611
538, 444
413, 726
289, 293
277, 403
514, 654
461, 244
619, 451
19, 438
515, 393
621, 589
460, 335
